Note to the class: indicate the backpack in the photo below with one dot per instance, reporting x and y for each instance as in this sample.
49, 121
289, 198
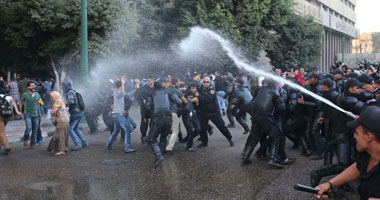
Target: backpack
5, 108
80, 101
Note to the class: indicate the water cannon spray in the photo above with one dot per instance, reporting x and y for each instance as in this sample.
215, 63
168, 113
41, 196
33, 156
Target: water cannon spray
350, 114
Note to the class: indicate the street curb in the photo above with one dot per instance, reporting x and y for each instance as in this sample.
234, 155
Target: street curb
44, 135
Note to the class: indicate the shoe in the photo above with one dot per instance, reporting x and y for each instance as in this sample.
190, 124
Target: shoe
25, 143
170, 152
211, 131
199, 139
201, 145
317, 157
306, 153
133, 128
6, 151
275, 164
232, 143
190, 150
76, 147
261, 157
110, 148
247, 131
130, 150
33, 146
142, 141
231, 126
245, 162
288, 161
157, 162
85, 145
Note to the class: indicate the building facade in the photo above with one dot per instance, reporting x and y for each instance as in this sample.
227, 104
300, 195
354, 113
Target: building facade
338, 18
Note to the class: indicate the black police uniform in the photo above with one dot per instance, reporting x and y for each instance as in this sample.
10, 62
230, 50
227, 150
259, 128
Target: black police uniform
142, 96
210, 111
342, 137
313, 113
159, 101
264, 104
230, 89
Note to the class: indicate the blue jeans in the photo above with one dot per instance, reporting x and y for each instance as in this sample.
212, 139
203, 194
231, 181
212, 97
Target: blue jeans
74, 129
31, 122
39, 132
222, 103
120, 122
131, 122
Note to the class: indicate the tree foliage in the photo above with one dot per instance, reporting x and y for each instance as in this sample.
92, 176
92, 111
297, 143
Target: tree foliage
34, 32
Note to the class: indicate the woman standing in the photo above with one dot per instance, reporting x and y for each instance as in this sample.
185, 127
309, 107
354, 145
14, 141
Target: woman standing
59, 142
4, 120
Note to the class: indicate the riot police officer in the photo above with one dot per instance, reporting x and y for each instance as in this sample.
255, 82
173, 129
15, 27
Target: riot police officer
210, 111
159, 102
266, 101
338, 76
341, 133
242, 101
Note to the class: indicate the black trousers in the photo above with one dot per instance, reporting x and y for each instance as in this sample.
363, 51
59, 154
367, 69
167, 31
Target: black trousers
193, 128
216, 118
241, 114
144, 124
230, 114
161, 127
92, 120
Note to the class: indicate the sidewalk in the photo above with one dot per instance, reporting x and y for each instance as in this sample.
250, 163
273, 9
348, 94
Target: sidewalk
15, 129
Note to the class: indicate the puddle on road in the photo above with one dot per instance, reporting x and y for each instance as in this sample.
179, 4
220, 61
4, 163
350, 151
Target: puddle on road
117, 161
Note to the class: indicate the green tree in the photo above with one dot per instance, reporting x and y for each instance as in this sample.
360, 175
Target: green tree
300, 41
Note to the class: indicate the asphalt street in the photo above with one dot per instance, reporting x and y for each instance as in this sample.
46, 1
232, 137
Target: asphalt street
96, 173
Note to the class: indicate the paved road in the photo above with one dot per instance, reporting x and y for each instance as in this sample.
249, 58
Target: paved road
95, 173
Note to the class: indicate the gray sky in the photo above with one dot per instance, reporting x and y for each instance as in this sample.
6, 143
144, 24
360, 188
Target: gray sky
367, 15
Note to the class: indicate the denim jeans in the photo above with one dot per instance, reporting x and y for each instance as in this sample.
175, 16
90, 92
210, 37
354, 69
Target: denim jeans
39, 132
222, 103
74, 129
31, 122
131, 122
120, 122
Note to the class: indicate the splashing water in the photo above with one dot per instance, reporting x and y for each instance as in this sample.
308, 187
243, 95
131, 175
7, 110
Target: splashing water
198, 38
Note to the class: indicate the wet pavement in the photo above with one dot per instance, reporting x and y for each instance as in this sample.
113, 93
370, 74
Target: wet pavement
95, 173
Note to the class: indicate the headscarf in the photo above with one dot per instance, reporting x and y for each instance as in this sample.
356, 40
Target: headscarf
56, 96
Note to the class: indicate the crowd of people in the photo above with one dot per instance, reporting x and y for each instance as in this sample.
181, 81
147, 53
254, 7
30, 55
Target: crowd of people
276, 111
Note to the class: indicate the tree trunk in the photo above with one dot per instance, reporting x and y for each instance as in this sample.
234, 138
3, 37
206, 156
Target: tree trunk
58, 80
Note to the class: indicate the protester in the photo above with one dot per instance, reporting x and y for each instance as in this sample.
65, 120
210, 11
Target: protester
5, 119
59, 142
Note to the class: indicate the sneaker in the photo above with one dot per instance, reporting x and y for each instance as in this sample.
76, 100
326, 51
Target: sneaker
170, 152
85, 145
246, 131
130, 150
76, 147
232, 143
201, 145
6, 151
190, 150
110, 148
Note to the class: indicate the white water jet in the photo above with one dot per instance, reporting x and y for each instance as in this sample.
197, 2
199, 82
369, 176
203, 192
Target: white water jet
196, 42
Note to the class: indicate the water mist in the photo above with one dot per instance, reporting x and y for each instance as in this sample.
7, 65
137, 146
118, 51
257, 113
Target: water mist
199, 37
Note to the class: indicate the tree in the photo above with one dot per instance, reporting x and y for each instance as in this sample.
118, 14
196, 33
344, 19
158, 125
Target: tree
300, 41
48, 31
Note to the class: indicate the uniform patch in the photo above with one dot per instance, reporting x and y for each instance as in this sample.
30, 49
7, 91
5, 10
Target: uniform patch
212, 91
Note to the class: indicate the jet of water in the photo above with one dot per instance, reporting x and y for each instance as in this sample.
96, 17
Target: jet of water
196, 41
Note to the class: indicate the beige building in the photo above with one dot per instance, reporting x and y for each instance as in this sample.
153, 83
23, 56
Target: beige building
338, 18
364, 44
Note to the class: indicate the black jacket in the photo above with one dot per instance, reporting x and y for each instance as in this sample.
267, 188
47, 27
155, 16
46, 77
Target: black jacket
220, 83
207, 100
267, 101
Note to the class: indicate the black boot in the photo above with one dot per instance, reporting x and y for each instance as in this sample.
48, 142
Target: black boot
274, 157
305, 146
6, 151
157, 152
245, 155
328, 170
